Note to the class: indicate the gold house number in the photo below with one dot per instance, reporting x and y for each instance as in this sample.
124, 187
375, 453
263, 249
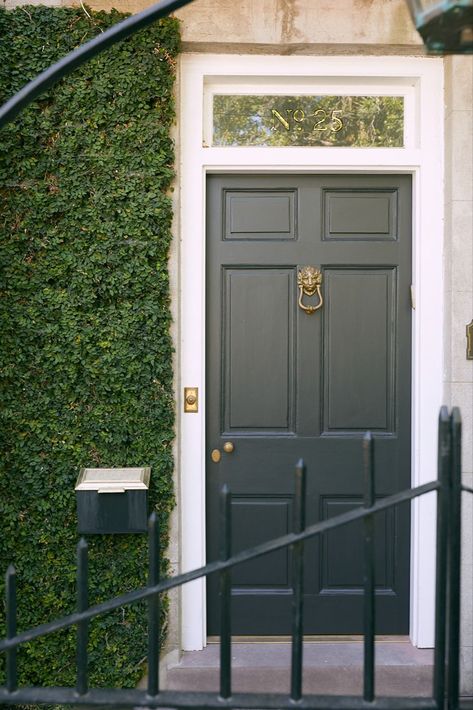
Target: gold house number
320, 120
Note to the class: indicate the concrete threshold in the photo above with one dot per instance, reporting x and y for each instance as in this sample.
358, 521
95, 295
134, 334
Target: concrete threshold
331, 666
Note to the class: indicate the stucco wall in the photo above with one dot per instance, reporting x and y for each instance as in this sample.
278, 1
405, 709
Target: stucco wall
283, 26
459, 307
298, 25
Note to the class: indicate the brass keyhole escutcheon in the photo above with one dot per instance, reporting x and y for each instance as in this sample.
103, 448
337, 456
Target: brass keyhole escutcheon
215, 455
228, 447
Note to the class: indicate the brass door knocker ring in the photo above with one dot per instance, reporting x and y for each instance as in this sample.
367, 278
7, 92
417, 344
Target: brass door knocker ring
309, 280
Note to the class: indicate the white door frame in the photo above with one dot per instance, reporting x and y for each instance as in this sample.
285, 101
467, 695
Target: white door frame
420, 80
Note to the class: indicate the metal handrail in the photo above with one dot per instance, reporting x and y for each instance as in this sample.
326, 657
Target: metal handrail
217, 566
84, 53
446, 658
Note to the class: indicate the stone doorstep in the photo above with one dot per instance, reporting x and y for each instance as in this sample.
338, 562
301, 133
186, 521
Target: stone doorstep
465, 704
330, 668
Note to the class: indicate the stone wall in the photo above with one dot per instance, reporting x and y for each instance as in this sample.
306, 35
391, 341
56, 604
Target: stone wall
459, 307
287, 25
299, 26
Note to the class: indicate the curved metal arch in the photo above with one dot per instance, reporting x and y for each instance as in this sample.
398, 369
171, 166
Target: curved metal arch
82, 54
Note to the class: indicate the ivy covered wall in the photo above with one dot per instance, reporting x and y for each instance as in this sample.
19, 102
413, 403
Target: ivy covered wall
85, 351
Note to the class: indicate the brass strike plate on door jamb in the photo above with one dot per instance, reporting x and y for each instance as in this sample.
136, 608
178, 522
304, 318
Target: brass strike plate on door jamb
191, 400
469, 341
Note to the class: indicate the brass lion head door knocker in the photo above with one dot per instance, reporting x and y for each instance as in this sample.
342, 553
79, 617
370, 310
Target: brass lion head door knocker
309, 280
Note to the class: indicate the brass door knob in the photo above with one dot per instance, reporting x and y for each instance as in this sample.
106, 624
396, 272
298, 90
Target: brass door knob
228, 447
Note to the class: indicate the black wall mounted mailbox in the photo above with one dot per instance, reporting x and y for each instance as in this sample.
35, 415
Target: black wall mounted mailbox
112, 500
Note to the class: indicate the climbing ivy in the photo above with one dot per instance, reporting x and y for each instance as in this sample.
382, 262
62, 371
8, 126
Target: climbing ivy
85, 350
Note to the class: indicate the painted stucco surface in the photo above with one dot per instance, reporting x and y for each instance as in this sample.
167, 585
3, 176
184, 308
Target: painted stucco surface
294, 25
297, 22
459, 307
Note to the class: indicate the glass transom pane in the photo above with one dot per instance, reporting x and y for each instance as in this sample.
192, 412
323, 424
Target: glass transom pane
274, 120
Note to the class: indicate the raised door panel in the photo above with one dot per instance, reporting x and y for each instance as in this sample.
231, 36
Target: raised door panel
258, 347
260, 215
342, 554
359, 337
361, 215
256, 519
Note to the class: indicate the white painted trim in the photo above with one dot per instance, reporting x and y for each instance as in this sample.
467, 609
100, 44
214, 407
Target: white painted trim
423, 158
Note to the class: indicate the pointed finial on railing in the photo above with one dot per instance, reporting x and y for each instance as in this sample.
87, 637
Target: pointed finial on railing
299, 496
443, 515
298, 583
10, 603
153, 604
152, 520
369, 608
225, 522
82, 626
368, 465
153, 549
454, 561
225, 593
82, 544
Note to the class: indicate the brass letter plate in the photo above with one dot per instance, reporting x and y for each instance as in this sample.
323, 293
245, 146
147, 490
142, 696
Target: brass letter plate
191, 400
469, 341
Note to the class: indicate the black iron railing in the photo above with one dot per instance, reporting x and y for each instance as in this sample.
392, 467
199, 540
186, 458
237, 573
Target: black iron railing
85, 53
445, 691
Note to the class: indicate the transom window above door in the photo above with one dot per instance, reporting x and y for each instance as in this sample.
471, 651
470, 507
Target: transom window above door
276, 120
307, 113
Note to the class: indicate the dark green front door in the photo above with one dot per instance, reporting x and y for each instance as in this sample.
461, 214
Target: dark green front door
284, 384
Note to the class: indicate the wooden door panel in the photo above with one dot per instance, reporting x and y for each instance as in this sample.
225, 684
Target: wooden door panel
362, 215
282, 384
260, 214
255, 520
257, 397
359, 335
341, 551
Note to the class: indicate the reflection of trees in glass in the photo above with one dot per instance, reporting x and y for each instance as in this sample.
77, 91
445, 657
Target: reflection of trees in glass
368, 121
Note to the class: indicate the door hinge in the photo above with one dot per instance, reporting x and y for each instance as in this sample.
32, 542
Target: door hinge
413, 297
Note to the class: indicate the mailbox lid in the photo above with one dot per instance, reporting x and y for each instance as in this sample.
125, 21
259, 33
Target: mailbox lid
113, 480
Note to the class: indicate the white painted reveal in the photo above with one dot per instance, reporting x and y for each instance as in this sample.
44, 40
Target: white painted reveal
420, 81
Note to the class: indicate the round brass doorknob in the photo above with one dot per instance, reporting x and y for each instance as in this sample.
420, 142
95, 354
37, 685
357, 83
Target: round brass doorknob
228, 447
